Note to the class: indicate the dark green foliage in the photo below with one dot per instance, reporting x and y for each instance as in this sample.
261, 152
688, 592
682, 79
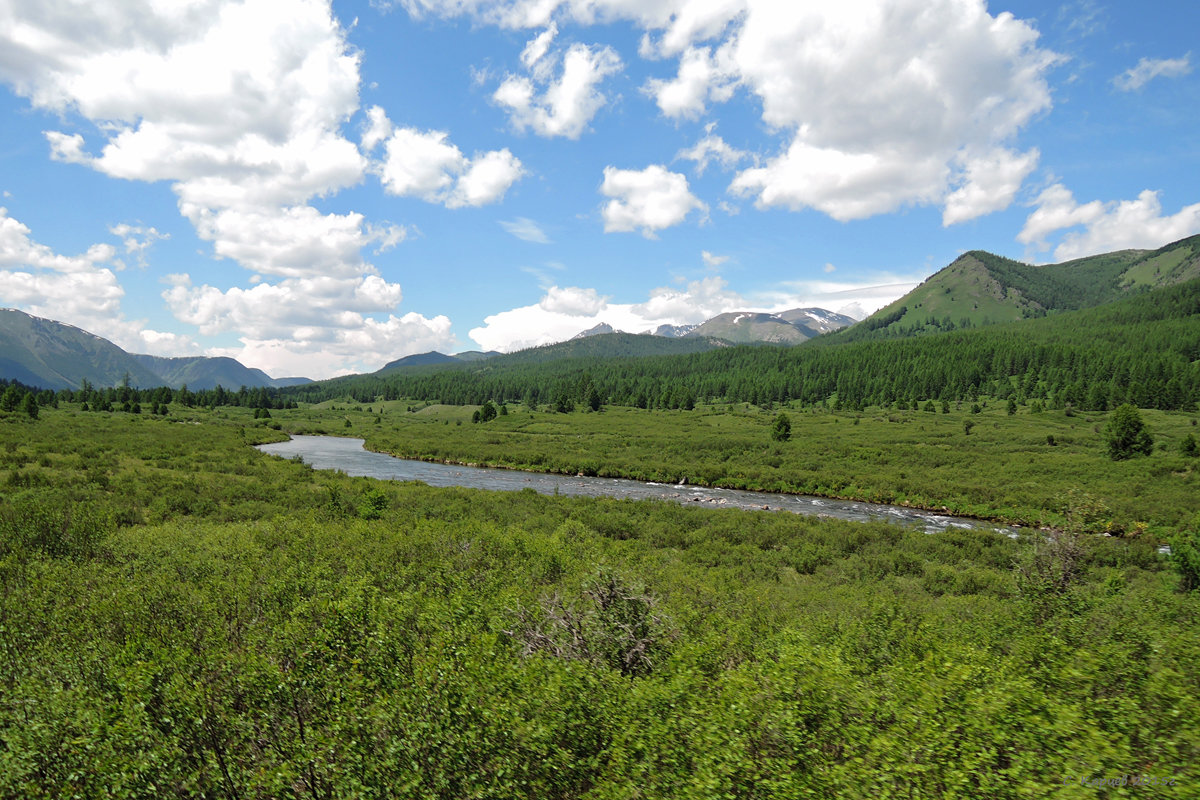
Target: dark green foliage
781, 431
1188, 446
29, 406
1185, 555
1141, 350
373, 503
1126, 434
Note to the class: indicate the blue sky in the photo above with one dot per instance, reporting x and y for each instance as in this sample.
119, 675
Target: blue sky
317, 188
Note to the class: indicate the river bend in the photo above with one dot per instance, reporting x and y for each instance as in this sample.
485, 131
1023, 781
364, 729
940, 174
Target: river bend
349, 456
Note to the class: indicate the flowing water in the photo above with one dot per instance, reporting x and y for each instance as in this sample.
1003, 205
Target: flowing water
348, 456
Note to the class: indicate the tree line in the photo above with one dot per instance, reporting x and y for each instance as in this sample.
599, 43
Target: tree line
1143, 350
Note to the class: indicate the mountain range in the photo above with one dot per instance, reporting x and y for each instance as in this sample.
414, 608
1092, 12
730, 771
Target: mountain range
748, 327
53, 355
977, 289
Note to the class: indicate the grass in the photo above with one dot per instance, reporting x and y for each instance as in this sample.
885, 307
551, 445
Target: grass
182, 616
1006, 468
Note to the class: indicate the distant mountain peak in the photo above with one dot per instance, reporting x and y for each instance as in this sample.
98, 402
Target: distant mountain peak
597, 330
672, 331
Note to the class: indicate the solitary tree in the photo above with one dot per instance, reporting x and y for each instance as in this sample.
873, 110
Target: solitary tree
1126, 434
782, 430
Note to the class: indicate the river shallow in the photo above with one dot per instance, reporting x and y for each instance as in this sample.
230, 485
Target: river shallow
348, 455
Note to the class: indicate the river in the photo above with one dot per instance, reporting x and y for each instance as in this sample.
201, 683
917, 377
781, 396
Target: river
349, 456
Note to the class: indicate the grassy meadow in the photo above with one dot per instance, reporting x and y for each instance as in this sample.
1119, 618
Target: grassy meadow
182, 616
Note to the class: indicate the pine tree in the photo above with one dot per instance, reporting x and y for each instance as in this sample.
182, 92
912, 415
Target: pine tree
1126, 434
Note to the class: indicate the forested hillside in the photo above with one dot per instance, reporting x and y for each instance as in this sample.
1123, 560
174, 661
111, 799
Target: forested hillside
981, 289
1142, 349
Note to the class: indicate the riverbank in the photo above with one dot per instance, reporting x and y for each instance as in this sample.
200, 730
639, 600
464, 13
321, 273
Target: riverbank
349, 456
1037, 470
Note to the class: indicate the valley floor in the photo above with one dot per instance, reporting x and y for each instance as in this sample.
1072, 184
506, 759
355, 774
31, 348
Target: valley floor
182, 616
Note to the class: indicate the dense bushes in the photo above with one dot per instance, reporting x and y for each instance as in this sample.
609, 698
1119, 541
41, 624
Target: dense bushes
353, 638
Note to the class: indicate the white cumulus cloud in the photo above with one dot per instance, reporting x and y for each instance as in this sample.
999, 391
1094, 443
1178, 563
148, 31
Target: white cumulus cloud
426, 165
573, 301
80, 290
1118, 225
648, 200
989, 183
240, 105
882, 104
561, 105
709, 149
700, 79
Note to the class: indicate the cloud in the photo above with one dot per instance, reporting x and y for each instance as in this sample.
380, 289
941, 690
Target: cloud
363, 347
1148, 69
854, 298
426, 165
526, 230
844, 185
989, 183
709, 149
565, 106
699, 79
573, 301
137, 239
562, 313
537, 47
486, 179
882, 105
711, 260
310, 325
79, 290
650, 199
1125, 224
378, 129
241, 106
67, 148
883, 101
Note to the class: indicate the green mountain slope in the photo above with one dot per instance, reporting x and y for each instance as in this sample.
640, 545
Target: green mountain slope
609, 345
50, 355
981, 288
417, 360
53, 355
209, 372
1143, 348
